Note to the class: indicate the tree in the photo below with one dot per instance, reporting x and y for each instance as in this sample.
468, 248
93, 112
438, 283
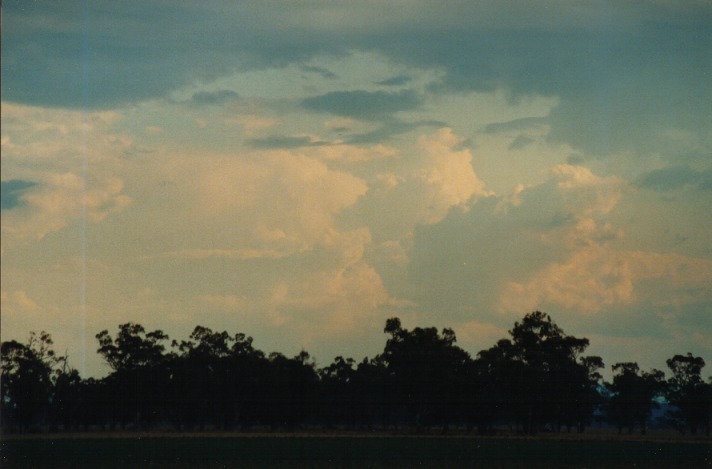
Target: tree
66, 397
497, 389
690, 396
423, 366
139, 380
198, 389
633, 395
373, 400
27, 379
547, 382
133, 348
214, 379
337, 398
290, 389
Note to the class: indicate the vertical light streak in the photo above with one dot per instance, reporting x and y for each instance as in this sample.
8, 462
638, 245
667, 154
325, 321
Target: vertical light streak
85, 170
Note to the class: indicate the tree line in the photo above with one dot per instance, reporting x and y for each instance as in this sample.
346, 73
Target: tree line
538, 379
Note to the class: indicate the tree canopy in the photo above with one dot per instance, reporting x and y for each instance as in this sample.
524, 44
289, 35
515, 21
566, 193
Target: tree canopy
536, 379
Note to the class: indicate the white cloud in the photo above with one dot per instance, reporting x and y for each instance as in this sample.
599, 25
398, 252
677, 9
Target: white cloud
60, 199
72, 157
513, 254
420, 186
477, 335
449, 173
283, 199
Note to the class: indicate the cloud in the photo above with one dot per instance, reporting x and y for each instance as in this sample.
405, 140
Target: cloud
282, 141
515, 125
474, 335
12, 192
363, 105
611, 293
321, 71
61, 140
71, 158
211, 98
91, 56
451, 174
73, 54
390, 128
250, 205
352, 154
592, 279
398, 80
301, 173
675, 177
277, 190
559, 246
459, 264
431, 178
521, 142
60, 199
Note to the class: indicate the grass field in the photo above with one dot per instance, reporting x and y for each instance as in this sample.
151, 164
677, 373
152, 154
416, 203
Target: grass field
289, 451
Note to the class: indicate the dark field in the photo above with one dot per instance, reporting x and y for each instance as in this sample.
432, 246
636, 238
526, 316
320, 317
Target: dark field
239, 451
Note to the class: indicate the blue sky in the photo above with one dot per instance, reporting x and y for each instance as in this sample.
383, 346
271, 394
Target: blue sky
301, 171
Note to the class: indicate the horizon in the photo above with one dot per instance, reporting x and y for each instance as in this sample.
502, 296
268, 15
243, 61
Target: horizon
302, 172
172, 345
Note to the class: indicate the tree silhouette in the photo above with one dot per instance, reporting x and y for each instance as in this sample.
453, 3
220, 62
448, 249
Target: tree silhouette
139, 379
535, 380
291, 390
423, 366
66, 398
689, 394
27, 381
337, 396
373, 396
215, 379
133, 348
498, 388
539, 378
633, 396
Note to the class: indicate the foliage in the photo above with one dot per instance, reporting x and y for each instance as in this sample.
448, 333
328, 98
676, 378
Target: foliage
689, 395
535, 380
27, 381
423, 367
540, 377
633, 396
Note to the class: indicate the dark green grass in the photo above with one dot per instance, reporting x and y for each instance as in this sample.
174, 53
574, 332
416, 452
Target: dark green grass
349, 452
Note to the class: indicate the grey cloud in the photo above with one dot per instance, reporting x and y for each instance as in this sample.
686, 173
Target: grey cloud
395, 81
323, 72
697, 318
705, 182
75, 54
105, 54
575, 159
362, 104
282, 141
631, 322
514, 125
622, 71
617, 89
675, 177
520, 142
11, 192
213, 97
389, 129
462, 261
562, 219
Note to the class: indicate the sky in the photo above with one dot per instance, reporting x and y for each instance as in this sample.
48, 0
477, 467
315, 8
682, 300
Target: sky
300, 171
